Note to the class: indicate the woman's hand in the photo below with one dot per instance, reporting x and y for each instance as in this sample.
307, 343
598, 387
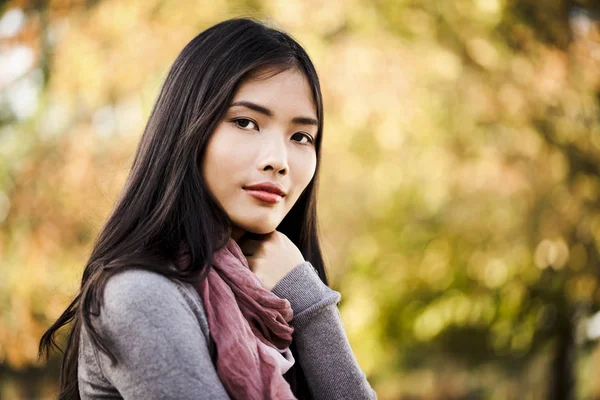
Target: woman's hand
271, 256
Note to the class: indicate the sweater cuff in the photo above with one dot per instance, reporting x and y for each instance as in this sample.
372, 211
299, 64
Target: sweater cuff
306, 293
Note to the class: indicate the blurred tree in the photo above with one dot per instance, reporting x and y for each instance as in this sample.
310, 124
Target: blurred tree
507, 261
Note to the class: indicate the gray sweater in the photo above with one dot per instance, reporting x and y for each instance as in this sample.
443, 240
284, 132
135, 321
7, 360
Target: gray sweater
160, 335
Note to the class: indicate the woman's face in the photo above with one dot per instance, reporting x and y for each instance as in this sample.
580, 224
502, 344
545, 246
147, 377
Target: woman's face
268, 134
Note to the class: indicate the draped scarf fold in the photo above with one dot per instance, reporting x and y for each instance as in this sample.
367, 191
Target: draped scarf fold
249, 325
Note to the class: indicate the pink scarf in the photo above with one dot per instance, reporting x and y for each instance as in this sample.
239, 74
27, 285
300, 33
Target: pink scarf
249, 325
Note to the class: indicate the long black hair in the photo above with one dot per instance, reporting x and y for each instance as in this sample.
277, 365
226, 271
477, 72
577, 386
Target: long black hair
165, 200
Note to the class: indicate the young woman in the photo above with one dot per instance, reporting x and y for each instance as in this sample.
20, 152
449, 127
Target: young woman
207, 280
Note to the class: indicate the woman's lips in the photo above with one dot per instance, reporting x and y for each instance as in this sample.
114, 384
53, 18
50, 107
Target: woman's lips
267, 197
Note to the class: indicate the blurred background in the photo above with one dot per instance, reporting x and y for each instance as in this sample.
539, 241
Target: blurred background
460, 195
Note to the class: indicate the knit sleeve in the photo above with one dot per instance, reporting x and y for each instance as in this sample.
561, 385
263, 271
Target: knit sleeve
324, 352
161, 350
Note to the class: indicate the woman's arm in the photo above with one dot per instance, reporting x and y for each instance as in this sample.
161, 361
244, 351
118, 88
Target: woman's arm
158, 341
325, 354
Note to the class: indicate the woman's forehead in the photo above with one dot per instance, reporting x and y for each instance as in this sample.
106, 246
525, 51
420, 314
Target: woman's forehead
288, 91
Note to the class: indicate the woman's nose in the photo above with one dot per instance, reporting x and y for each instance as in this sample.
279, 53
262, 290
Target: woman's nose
274, 156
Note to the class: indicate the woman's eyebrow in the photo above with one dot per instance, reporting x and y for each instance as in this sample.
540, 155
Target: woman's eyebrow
269, 113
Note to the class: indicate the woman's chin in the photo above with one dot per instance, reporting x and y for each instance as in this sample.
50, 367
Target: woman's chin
259, 224
260, 229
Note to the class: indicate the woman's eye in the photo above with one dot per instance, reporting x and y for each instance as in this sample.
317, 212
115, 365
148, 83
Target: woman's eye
243, 123
305, 136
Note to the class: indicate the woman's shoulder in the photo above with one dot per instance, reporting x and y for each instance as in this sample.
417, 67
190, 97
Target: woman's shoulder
139, 283
140, 293
137, 286
152, 323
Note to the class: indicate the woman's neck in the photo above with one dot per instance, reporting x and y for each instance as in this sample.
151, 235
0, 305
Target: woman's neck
237, 233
